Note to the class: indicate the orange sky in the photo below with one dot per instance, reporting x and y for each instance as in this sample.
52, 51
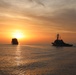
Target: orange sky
37, 21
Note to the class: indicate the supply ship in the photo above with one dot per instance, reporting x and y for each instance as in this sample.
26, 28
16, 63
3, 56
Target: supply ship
60, 43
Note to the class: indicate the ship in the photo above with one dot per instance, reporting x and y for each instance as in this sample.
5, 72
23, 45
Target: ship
60, 43
14, 41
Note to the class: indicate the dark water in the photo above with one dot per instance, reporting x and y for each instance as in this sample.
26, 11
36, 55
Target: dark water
37, 60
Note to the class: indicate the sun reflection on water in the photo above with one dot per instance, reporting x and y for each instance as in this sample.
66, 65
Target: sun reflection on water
18, 56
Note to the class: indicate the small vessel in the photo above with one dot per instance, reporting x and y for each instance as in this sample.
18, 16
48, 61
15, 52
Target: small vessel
14, 41
60, 43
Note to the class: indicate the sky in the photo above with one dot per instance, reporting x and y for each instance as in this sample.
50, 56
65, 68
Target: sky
37, 21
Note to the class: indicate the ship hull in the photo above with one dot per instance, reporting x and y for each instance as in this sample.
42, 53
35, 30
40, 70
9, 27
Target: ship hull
62, 45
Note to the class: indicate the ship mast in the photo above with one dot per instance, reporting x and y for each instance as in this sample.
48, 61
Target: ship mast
57, 36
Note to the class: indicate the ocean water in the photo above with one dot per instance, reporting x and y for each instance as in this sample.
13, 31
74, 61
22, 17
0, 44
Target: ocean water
37, 60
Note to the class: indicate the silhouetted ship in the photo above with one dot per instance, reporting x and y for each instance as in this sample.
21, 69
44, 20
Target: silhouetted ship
60, 43
14, 41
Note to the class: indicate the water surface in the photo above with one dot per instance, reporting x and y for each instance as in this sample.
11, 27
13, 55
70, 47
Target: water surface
37, 60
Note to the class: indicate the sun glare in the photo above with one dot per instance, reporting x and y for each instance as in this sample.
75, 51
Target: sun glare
18, 34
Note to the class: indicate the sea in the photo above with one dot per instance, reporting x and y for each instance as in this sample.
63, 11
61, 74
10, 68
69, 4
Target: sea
37, 60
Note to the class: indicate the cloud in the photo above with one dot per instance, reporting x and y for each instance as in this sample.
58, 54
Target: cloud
64, 19
57, 14
3, 4
38, 2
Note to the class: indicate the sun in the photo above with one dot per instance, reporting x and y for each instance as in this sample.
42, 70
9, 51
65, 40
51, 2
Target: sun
18, 34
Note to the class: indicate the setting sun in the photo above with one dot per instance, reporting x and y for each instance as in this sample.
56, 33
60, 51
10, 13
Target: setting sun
17, 34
